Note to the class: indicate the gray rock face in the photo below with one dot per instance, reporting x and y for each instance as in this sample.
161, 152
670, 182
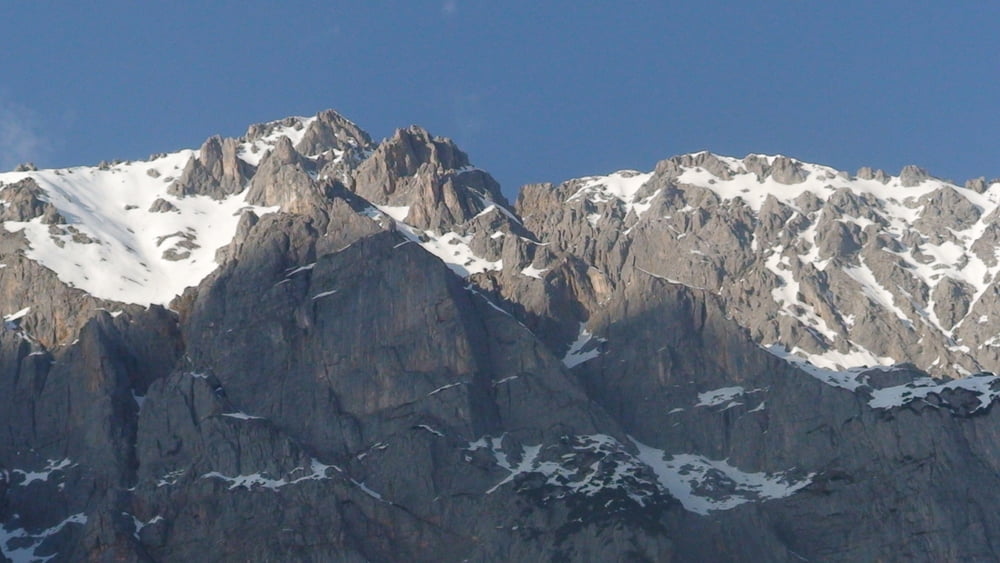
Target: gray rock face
217, 172
284, 180
332, 131
912, 176
396, 365
25, 201
430, 175
787, 171
978, 185
951, 301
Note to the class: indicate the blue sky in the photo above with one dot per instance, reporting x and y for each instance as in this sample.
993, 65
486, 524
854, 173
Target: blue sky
533, 91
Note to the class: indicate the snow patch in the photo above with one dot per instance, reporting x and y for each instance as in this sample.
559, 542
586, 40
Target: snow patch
368, 491
429, 429
453, 249
533, 272
16, 316
598, 462
621, 186
829, 367
703, 485
315, 472
17, 544
718, 396
45, 473
592, 464
138, 525
445, 387
985, 386
583, 349
242, 416
252, 152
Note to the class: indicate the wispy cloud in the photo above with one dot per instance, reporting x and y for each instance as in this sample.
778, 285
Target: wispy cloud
21, 137
449, 7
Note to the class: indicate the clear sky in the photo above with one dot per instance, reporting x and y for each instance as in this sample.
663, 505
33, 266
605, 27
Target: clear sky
533, 91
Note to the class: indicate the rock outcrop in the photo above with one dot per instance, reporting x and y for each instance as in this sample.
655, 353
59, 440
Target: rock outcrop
430, 176
217, 171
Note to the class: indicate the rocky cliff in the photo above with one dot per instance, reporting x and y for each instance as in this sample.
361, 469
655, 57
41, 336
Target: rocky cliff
304, 345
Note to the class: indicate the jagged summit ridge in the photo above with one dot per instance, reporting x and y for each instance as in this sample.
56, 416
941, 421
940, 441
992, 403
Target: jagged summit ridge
787, 242
142, 231
790, 245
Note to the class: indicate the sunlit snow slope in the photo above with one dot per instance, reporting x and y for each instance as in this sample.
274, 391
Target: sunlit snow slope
124, 237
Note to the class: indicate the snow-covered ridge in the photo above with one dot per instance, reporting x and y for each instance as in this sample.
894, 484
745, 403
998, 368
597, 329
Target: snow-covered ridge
121, 235
984, 386
622, 186
730, 178
114, 246
919, 252
124, 251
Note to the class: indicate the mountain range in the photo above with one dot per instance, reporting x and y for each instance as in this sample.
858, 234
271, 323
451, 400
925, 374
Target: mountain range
302, 344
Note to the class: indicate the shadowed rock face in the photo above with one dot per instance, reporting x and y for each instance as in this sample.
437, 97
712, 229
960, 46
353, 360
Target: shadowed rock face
397, 365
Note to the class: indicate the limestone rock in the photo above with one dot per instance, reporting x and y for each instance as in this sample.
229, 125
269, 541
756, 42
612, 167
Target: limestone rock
332, 131
951, 301
25, 201
977, 185
787, 171
217, 171
284, 179
912, 176
430, 175
163, 206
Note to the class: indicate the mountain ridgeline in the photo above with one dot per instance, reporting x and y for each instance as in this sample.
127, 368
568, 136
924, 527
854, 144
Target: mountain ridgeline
301, 344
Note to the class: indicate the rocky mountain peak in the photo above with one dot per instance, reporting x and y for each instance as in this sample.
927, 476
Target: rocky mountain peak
284, 153
782, 169
717, 359
332, 131
217, 171
428, 175
260, 131
912, 176
285, 179
675, 166
414, 147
